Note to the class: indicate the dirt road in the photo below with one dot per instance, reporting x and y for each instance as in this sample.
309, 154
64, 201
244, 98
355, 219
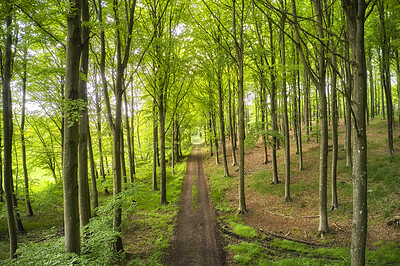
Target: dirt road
196, 241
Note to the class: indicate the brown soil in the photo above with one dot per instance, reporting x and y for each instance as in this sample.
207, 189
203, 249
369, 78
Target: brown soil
197, 238
298, 220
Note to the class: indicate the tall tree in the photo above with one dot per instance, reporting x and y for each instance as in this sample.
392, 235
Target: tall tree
71, 129
221, 114
239, 50
319, 82
22, 130
274, 118
355, 11
8, 131
385, 47
284, 99
84, 199
122, 54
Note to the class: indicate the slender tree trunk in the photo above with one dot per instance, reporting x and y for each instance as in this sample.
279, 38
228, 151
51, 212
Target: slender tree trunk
20, 227
215, 138
123, 165
385, 48
319, 82
348, 91
115, 123
263, 107
398, 81
129, 141
235, 112
222, 124
95, 194
71, 130
155, 146
299, 116
371, 85
163, 170
1, 170
323, 167
105, 88
7, 135
232, 130
23, 146
335, 144
84, 198
274, 119
239, 49
285, 110
355, 11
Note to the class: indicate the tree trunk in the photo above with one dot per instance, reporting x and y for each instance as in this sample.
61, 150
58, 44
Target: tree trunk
239, 50
348, 92
285, 110
23, 146
385, 47
371, 85
355, 11
129, 141
163, 170
274, 119
84, 198
123, 165
155, 146
319, 82
71, 130
222, 125
95, 194
398, 81
215, 138
7, 135
232, 130
263, 107
1, 170
299, 116
105, 89
323, 166
335, 144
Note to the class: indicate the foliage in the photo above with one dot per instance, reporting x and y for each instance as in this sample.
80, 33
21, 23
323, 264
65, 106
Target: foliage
249, 253
243, 230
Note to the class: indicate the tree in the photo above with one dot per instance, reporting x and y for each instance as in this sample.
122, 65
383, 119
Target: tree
22, 130
84, 199
8, 131
115, 123
71, 129
319, 82
285, 108
239, 50
355, 12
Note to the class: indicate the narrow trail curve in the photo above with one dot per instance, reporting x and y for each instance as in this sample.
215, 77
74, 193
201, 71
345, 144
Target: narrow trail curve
197, 239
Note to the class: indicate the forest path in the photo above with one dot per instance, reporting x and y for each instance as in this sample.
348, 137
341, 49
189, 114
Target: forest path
196, 240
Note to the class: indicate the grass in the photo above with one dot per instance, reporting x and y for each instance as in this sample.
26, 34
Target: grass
243, 230
146, 226
383, 197
285, 252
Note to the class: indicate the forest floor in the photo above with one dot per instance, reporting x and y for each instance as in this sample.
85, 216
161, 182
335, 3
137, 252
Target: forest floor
197, 238
297, 221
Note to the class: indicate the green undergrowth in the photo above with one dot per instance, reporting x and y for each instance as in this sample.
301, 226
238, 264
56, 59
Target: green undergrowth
286, 252
142, 218
218, 186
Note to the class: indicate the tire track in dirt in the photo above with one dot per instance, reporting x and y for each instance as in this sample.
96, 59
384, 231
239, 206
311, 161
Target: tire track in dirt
197, 239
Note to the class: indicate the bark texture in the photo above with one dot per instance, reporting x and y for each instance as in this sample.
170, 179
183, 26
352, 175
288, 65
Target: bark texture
71, 130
